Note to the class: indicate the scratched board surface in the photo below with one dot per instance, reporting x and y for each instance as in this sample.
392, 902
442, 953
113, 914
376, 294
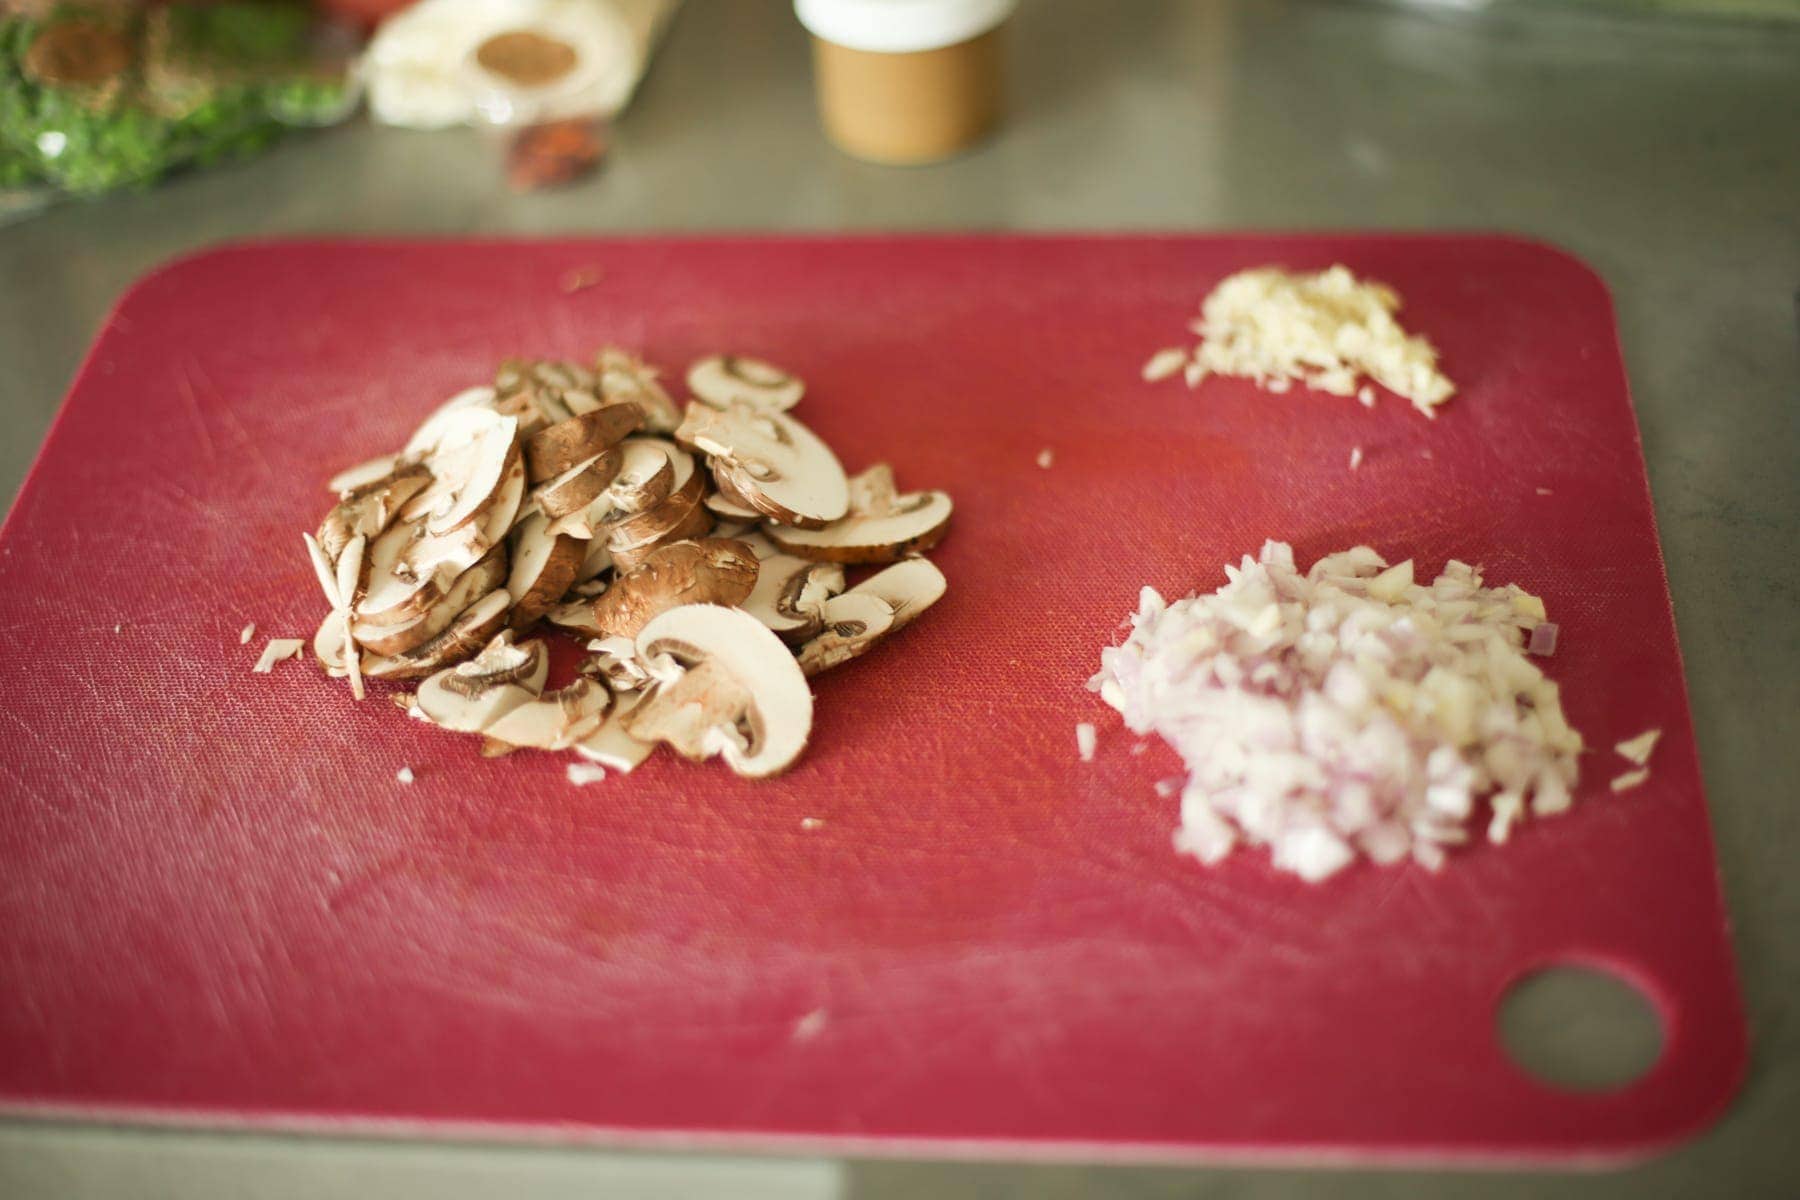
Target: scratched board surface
940, 931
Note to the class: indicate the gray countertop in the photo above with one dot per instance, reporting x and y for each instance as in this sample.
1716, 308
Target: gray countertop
1667, 155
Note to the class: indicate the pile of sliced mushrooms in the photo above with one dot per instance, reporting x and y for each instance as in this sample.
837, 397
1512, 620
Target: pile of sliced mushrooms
701, 554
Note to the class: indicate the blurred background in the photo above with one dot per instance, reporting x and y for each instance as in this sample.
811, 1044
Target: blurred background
1658, 139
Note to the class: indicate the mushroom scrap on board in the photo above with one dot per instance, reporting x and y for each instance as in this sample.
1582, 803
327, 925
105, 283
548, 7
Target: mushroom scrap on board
702, 552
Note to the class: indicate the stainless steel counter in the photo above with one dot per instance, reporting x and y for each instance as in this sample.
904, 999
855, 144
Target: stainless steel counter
1668, 156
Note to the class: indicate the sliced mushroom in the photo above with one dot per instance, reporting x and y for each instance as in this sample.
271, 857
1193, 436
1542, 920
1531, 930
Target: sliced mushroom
474, 473
723, 503
882, 526
467, 634
909, 587
554, 450
734, 690
771, 461
363, 473
853, 623
470, 696
596, 562
615, 660
579, 486
406, 572
880, 605
708, 571
555, 374
535, 407
554, 721
723, 380
328, 646
695, 522
660, 521
443, 419
646, 476
466, 589
610, 746
627, 379
790, 595
576, 616
544, 567
370, 507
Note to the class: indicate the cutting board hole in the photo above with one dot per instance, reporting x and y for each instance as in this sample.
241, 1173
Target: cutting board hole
1580, 1028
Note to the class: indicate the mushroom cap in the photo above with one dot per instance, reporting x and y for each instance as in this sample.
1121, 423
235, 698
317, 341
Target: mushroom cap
779, 707
581, 485
467, 634
544, 566
554, 449
771, 461
474, 583
882, 526
706, 571
722, 380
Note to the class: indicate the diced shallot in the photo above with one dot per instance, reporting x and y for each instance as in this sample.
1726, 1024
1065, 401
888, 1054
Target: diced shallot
1351, 711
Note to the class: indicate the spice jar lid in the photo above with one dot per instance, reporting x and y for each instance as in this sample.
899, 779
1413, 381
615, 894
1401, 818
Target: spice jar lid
900, 26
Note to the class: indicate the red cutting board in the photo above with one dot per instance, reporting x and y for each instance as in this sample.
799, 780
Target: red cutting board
218, 905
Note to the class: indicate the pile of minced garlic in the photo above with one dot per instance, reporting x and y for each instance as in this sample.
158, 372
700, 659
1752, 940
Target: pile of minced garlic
1348, 711
1325, 331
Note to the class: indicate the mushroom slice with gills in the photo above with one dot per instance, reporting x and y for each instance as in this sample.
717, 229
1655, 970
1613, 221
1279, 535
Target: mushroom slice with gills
882, 526
853, 623
571, 492
431, 431
544, 567
909, 587
472, 695
470, 631
556, 720
708, 571
553, 450
627, 379
732, 689
790, 595
477, 471
722, 380
615, 660
371, 507
474, 583
610, 746
772, 462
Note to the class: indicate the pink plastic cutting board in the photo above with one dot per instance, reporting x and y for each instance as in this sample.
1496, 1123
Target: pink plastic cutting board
217, 904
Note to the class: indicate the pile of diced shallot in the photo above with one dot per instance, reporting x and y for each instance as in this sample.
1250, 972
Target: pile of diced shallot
1348, 710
